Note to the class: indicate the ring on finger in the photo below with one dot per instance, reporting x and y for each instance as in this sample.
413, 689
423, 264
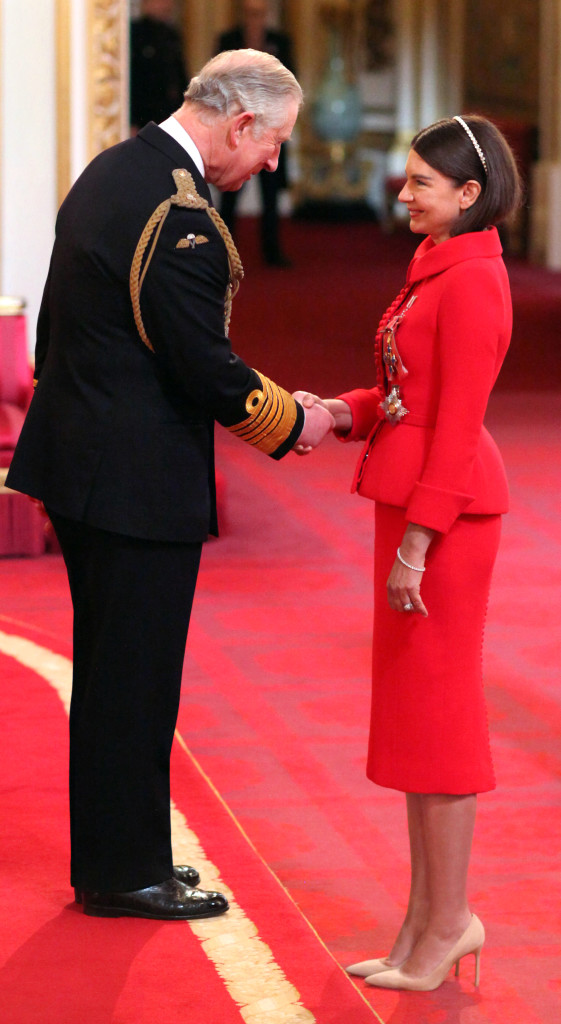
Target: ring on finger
408, 607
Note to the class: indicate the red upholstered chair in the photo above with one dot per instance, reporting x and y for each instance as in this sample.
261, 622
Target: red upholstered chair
22, 527
16, 383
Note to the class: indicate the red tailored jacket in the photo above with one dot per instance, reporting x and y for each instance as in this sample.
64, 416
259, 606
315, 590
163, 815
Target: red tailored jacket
440, 461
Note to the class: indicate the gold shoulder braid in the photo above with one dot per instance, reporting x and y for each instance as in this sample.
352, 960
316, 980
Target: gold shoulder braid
188, 197
272, 412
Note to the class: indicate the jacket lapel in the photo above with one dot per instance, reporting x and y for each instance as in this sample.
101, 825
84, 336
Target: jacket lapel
167, 145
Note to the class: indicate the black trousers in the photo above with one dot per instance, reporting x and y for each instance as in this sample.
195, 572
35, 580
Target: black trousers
132, 603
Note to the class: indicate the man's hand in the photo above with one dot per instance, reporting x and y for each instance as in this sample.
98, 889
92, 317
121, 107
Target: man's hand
339, 409
317, 425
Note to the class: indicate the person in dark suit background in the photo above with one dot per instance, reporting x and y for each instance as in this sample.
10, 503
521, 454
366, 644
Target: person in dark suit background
133, 366
253, 32
158, 73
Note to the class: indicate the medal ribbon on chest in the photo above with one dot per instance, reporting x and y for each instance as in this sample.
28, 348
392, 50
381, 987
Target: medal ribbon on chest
395, 371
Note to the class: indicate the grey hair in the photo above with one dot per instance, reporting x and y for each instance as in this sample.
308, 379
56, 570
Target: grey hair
237, 80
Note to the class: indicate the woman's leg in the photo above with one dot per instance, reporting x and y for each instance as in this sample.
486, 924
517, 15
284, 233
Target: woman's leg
447, 824
418, 905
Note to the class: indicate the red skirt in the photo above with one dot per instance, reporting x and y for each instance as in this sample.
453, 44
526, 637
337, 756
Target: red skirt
429, 731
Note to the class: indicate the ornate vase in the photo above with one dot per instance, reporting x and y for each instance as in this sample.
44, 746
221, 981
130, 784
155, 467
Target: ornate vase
336, 113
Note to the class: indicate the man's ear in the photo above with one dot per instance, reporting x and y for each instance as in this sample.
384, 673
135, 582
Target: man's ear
239, 124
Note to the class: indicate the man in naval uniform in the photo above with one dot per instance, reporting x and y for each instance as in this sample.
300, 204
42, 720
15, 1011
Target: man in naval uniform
133, 366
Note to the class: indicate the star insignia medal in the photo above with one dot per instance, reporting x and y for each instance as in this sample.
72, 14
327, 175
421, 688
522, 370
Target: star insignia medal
393, 408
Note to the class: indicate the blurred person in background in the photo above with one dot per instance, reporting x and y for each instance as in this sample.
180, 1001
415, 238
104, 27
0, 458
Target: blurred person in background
253, 32
158, 73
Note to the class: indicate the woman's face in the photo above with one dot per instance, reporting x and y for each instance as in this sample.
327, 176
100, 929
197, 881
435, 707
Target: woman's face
433, 201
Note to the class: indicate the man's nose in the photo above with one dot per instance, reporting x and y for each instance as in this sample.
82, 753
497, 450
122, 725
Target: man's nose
272, 163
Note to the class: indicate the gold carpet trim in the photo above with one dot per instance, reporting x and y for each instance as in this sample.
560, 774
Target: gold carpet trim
55, 668
246, 964
241, 829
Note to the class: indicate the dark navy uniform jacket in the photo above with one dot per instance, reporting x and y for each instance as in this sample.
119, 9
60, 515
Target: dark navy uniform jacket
118, 436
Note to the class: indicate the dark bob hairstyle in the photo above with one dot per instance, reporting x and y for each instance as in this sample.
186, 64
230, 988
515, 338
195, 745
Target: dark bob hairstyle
447, 147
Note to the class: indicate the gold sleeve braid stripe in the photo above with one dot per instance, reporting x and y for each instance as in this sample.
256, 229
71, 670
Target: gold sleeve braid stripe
187, 197
272, 415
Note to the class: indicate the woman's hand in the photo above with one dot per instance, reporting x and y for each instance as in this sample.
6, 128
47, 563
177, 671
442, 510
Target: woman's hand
404, 590
404, 581
339, 409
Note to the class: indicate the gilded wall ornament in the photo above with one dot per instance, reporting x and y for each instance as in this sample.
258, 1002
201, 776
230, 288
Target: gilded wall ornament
108, 75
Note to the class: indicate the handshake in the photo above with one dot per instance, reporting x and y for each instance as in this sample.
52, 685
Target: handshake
322, 416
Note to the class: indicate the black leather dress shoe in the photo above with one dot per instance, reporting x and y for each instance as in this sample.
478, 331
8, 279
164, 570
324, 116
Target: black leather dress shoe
168, 901
189, 876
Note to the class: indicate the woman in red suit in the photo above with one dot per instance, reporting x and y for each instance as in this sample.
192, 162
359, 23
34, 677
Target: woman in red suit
439, 485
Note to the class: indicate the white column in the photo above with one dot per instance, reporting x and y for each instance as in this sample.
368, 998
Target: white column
545, 212
73, 106
28, 151
452, 97
63, 88
406, 83
429, 69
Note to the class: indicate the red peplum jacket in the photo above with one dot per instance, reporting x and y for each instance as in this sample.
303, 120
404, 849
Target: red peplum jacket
440, 461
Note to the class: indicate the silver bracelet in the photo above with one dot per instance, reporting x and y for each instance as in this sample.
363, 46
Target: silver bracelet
406, 564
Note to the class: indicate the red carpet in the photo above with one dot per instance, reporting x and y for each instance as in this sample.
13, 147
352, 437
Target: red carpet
64, 968
274, 710
283, 621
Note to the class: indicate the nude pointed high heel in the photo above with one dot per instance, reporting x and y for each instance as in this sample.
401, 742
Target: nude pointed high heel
366, 968
470, 942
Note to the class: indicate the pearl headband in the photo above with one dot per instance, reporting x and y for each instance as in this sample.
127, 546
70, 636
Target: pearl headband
477, 147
